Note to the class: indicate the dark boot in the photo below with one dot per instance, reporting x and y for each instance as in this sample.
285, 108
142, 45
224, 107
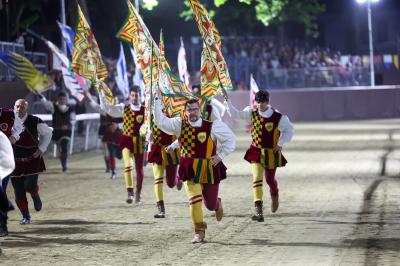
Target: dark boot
3, 225
113, 174
63, 159
200, 232
161, 210
137, 196
129, 200
107, 162
26, 218
37, 202
274, 202
259, 217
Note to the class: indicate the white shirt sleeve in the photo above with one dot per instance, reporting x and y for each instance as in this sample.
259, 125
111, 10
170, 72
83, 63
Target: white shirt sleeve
235, 113
113, 110
174, 145
171, 126
47, 105
93, 104
218, 106
7, 163
45, 133
287, 130
225, 138
17, 128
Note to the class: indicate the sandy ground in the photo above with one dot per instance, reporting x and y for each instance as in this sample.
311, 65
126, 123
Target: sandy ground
340, 195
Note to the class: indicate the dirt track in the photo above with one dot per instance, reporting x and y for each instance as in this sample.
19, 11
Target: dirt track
340, 197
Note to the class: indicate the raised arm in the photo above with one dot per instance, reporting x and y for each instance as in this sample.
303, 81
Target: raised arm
219, 107
92, 103
113, 110
171, 126
47, 104
235, 113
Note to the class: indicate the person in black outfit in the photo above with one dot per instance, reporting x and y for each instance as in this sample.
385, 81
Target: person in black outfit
63, 117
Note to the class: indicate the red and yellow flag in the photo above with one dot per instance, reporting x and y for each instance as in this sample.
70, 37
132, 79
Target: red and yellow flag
155, 69
86, 56
214, 70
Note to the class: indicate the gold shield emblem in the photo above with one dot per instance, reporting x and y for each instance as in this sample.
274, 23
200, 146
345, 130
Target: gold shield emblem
202, 137
139, 118
269, 126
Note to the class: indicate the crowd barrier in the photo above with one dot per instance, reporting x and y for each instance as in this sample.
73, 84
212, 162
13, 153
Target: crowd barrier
90, 125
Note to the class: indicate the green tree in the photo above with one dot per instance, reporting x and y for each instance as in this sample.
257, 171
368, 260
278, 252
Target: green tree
22, 14
304, 12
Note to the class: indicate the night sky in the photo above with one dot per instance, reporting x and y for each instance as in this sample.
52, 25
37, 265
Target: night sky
107, 16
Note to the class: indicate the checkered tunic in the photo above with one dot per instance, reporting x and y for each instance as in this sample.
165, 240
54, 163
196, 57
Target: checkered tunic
158, 154
131, 137
197, 145
265, 135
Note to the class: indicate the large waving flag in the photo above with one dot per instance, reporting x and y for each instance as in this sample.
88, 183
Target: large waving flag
175, 93
68, 35
135, 32
182, 64
122, 75
86, 57
34, 80
214, 71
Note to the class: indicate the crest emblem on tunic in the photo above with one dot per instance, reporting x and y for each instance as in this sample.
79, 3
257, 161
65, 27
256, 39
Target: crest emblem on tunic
3, 127
269, 126
202, 137
139, 118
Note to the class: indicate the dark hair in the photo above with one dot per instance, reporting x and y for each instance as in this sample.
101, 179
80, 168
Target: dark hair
262, 96
135, 88
191, 101
61, 94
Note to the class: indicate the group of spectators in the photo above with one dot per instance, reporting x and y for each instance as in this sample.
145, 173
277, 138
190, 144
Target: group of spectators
290, 65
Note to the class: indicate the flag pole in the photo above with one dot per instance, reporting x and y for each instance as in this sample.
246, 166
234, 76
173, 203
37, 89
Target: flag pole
151, 85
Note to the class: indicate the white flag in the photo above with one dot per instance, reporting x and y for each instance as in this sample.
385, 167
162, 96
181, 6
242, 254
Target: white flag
73, 82
137, 77
182, 64
122, 75
253, 90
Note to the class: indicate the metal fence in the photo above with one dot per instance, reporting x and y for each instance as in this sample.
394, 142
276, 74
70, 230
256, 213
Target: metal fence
284, 78
84, 132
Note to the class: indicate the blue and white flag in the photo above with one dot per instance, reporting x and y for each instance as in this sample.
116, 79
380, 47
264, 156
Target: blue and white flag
388, 60
137, 77
68, 35
122, 75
